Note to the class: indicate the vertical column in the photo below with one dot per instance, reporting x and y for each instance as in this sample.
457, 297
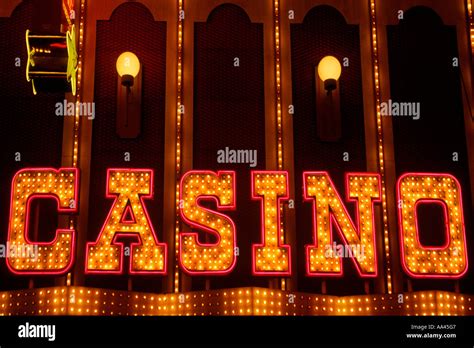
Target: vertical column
380, 146
80, 11
276, 27
385, 149
285, 139
179, 113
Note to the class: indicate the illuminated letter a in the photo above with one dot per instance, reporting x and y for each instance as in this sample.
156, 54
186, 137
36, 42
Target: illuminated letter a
128, 215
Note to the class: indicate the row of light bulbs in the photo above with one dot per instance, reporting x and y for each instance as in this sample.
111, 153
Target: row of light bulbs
240, 301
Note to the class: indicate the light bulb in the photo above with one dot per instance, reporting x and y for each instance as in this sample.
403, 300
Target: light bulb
128, 67
329, 71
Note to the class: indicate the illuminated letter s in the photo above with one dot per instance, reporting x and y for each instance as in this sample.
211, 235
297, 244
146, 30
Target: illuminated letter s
218, 257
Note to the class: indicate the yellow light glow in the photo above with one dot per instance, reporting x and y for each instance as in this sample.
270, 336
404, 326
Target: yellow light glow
329, 68
128, 64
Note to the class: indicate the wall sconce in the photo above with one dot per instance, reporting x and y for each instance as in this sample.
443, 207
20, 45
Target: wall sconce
328, 108
329, 71
129, 95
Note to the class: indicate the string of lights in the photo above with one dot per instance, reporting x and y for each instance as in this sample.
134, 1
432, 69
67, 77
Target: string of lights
77, 117
276, 18
76, 300
179, 110
471, 23
375, 62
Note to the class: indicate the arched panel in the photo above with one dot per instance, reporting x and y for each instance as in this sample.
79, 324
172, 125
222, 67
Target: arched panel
425, 81
323, 32
229, 112
130, 28
8, 6
31, 134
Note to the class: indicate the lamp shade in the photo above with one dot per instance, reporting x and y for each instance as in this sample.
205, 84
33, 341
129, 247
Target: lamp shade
329, 68
128, 64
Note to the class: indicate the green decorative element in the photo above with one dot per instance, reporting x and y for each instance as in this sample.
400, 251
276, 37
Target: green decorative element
72, 58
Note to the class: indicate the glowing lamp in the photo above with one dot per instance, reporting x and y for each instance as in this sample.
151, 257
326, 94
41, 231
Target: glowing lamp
129, 95
329, 71
128, 67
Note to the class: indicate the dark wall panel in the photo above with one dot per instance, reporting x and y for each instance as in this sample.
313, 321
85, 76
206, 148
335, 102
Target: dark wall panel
28, 125
229, 112
421, 52
131, 28
325, 32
